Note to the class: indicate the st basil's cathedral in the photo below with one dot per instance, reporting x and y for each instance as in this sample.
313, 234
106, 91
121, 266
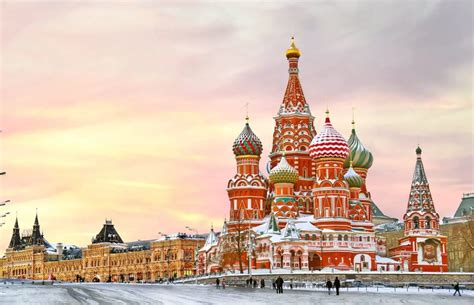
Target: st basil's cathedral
314, 211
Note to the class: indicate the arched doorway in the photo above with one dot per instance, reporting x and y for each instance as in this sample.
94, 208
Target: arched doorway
314, 262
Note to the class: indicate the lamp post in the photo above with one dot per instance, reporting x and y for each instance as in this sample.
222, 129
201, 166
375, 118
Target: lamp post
5, 202
192, 230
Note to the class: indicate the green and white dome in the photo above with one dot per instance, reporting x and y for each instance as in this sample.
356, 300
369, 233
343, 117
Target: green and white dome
283, 173
361, 156
353, 178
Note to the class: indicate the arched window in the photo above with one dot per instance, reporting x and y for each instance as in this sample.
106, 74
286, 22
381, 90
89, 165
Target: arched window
360, 238
428, 222
339, 237
306, 237
346, 238
416, 222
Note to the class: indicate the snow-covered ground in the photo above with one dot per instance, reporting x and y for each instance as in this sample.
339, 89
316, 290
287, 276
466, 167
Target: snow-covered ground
101, 293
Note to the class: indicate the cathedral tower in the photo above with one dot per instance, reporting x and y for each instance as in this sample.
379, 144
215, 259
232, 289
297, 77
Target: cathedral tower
294, 131
15, 241
331, 192
284, 176
247, 190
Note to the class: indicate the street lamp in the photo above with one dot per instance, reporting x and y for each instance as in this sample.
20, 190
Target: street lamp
192, 230
5, 202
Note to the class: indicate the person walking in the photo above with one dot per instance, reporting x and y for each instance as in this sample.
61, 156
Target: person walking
279, 283
291, 284
329, 286
217, 283
262, 283
274, 284
337, 285
223, 283
456, 289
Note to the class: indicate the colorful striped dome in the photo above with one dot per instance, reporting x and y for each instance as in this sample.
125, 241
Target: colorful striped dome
353, 178
283, 172
328, 143
361, 156
247, 143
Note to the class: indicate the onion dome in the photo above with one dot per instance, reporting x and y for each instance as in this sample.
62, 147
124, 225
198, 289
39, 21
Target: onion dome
283, 172
328, 143
293, 51
247, 143
353, 178
361, 156
418, 150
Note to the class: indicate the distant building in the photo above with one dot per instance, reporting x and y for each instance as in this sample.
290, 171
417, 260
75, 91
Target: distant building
108, 258
465, 210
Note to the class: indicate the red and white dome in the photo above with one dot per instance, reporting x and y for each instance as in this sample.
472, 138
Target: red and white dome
328, 144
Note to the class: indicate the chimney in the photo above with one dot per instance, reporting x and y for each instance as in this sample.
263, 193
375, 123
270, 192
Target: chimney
59, 250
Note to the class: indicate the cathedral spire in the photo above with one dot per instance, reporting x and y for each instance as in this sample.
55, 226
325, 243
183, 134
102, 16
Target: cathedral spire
420, 194
294, 100
36, 236
15, 240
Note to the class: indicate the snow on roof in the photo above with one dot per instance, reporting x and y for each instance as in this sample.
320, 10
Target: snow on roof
385, 260
210, 241
306, 226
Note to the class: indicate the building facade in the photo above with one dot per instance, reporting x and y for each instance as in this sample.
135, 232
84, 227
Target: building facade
313, 211
108, 258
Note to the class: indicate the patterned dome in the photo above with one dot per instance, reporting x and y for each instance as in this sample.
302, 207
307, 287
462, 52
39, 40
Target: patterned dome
283, 173
353, 178
361, 156
247, 143
328, 143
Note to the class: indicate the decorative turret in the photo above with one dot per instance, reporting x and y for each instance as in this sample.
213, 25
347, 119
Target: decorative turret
272, 227
15, 241
36, 236
421, 216
283, 173
330, 191
284, 176
247, 190
290, 231
294, 130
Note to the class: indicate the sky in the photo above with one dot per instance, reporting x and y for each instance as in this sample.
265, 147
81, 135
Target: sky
128, 110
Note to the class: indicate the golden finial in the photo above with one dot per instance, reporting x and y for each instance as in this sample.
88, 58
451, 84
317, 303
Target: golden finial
293, 50
327, 111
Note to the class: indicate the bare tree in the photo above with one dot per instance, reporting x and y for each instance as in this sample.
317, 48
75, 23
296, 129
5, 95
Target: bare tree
233, 245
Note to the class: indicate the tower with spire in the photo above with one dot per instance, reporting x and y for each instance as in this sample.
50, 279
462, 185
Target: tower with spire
294, 131
422, 248
15, 241
283, 177
330, 191
36, 236
247, 190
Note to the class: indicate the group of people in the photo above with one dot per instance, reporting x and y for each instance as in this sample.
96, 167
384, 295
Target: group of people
336, 285
218, 283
